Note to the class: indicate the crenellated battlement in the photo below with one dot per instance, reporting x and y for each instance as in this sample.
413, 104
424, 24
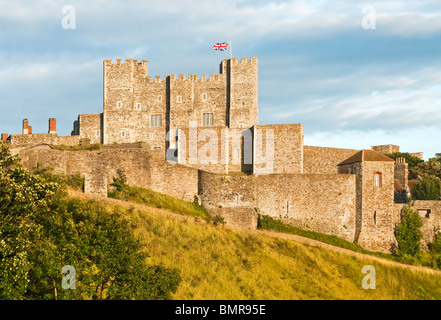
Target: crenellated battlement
194, 77
130, 66
133, 65
244, 60
108, 62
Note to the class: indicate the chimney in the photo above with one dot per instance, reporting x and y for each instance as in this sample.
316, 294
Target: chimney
401, 171
5, 137
52, 125
25, 126
29, 130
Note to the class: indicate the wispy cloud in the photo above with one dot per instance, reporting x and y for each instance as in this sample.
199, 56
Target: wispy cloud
317, 65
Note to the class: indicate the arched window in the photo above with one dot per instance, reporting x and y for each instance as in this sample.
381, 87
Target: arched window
378, 179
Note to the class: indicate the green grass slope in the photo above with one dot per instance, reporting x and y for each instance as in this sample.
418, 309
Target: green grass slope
221, 263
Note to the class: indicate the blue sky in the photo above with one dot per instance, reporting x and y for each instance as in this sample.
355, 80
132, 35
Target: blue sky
351, 87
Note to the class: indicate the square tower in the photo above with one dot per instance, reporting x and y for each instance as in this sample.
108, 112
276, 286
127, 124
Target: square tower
375, 220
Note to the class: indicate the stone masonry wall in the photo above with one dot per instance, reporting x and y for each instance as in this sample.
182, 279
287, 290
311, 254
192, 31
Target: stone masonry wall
131, 98
242, 84
90, 127
18, 140
285, 155
216, 149
323, 160
322, 203
386, 149
230, 196
378, 218
101, 166
430, 213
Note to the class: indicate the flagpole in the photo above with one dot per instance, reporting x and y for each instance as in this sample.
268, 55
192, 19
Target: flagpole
231, 50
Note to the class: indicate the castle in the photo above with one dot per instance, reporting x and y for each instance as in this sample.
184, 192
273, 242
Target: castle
198, 138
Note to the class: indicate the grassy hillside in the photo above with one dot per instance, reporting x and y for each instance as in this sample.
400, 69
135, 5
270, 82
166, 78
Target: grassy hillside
220, 263
158, 200
216, 262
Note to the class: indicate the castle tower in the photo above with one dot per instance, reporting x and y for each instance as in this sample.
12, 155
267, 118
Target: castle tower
242, 92
126, 104
138, 108
375, 219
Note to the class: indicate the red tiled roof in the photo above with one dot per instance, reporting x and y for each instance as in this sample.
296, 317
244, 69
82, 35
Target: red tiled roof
398, 186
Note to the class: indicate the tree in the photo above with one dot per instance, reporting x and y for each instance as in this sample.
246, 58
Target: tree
427, 189
22, 197
408, 233
412, 161
42, 230
119, 181
431, 167
101, 245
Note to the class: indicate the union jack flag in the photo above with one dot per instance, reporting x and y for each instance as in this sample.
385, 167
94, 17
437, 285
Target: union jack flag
221, 46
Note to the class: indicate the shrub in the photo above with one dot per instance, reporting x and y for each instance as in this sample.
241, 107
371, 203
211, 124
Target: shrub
42, 229
408, 233
427, 189
120, 181
435, 246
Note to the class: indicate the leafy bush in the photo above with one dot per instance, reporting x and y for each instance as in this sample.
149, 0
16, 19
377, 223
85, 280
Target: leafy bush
435, 246
412, 161
42, 230
120, 181
427, 189
75, 181
408, 233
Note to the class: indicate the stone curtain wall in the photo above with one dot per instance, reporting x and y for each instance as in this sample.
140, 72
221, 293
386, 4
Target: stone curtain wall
216, 149
174, 179
203, 148
323, 160
18, 140
322, 203
230, 196
230, 191
101, 166
386, 149
430, 213
287, 154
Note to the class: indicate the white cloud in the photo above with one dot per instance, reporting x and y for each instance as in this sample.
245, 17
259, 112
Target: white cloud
367, 100
329, 94
410, 140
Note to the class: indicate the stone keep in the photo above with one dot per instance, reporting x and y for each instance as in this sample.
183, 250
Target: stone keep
139, 108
